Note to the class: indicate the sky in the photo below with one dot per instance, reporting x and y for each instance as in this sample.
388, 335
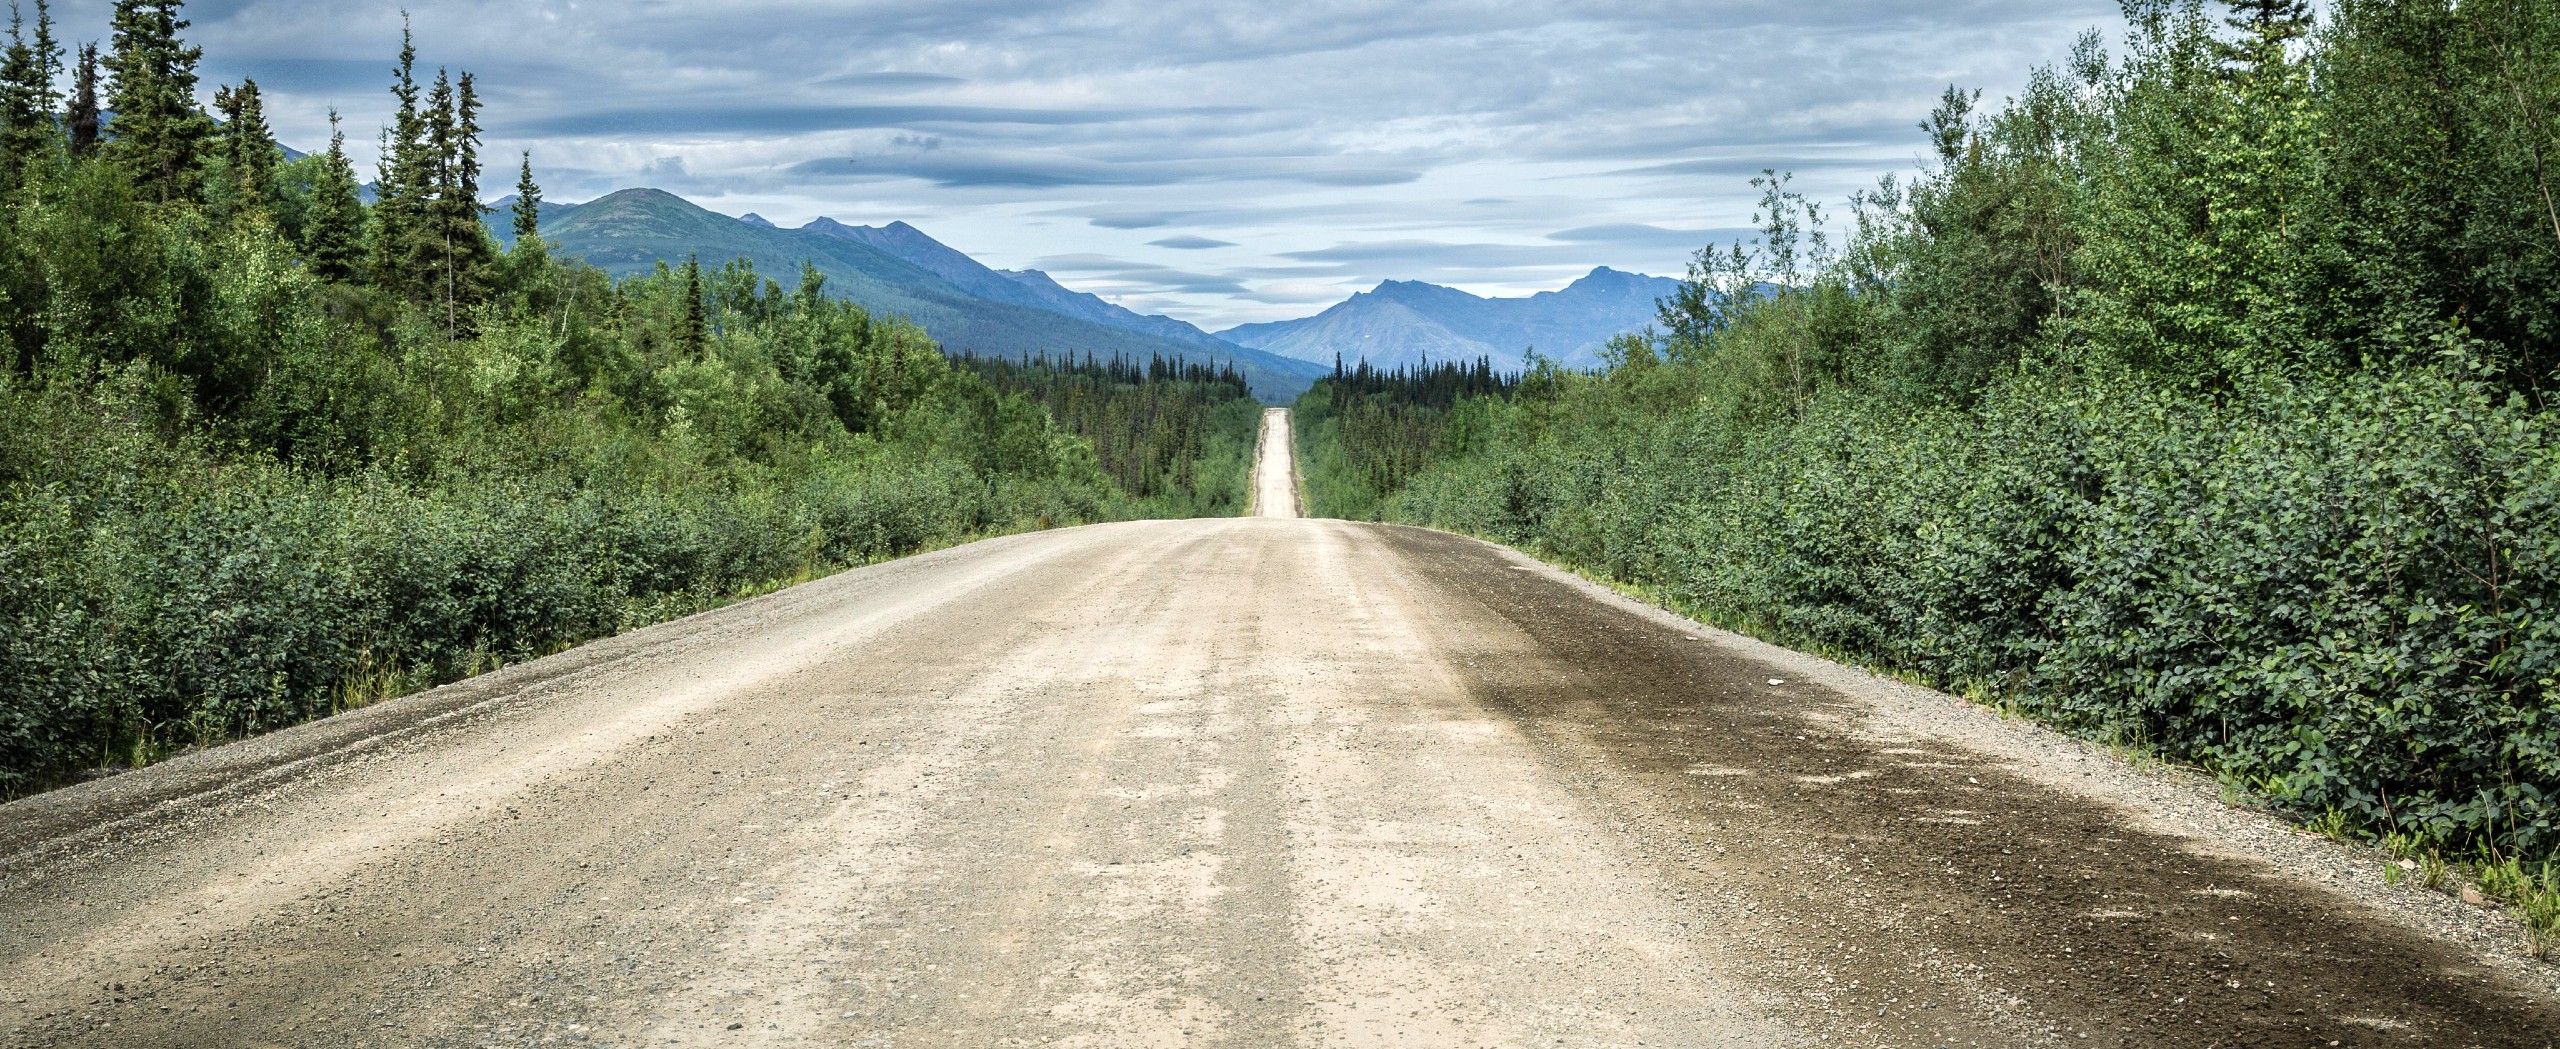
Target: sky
1219, 161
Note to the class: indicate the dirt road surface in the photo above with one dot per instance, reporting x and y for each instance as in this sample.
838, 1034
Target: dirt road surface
1275, 469
1248, 782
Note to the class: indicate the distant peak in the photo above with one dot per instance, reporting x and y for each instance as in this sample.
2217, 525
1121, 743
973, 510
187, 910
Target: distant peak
753, 219
640, 193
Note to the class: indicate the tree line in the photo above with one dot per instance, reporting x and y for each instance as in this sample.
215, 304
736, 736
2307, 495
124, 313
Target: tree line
1180, 433
2197, 398
268, 450
1364, 432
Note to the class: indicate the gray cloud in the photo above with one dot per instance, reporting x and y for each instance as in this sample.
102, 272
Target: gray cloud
891, 80
1637, 233
1058, 169
1506, 143
1139, 277
1429, 253
765, 118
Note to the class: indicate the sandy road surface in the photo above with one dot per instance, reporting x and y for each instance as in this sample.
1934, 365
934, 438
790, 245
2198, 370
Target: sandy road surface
1248, 782
1275, 468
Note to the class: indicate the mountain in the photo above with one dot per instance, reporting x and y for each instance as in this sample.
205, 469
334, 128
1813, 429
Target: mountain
1021, 287
898, 270
500, 217
1404, 322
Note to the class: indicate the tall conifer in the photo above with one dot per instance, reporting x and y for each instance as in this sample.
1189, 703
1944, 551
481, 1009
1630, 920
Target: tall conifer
159, 131
464, 218
80, 118
528, 208
333, 238
28, 99
249, 149
401, 181
697, 322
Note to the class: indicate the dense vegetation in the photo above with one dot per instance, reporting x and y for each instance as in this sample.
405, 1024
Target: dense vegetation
267, 451
1176, 434
1363, 432
2198, 399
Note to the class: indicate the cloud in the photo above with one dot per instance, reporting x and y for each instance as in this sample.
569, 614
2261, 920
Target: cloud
891, 80
1056, 169
1130, 277
1134, 220
1429, 253
756, 118
1501, 142
1637, 233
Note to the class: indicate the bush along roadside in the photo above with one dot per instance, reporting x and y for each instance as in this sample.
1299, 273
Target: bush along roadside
2162, 407
268, 450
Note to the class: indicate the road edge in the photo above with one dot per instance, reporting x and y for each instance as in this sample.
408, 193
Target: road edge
2159, 798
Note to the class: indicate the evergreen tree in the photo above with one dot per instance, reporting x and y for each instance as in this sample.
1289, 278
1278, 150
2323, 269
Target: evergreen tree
401, 181
453, 248
697, 323
464, 219
49, 53
2285, 18
333, 237
159, 130
27, 96
528, 203
2266, 26
249, 149
81, 118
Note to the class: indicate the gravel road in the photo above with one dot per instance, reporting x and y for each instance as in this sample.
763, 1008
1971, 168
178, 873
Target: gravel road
1275, 468
1246, 782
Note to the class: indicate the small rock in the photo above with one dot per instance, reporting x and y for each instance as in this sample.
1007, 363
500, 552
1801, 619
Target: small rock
2471, 895
1777, 681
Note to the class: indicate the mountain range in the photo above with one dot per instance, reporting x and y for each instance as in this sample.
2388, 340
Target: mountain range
896, 270
1404, 322
968, 306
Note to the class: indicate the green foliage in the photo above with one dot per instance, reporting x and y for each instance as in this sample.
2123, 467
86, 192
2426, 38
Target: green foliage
333, 222
27, 95
2196, 398
159, 134
1363, 433
251, 472
1177, 437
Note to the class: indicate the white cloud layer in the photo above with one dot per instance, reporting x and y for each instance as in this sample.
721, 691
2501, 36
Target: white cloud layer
1231, 160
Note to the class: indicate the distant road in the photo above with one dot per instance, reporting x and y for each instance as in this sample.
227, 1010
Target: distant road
1243, 782
1275, 470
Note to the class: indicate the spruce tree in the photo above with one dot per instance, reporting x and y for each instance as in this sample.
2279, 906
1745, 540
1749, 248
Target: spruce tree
465, 219
249, 149
2285, 18
2266, 26
81, 118
453, 243
697, 323
49, 53
159, 131
528, 203
333, 238
401, 182
26, 94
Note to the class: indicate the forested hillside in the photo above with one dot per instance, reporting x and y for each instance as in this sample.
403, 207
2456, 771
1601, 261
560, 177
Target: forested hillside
2196, 399
267, 451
